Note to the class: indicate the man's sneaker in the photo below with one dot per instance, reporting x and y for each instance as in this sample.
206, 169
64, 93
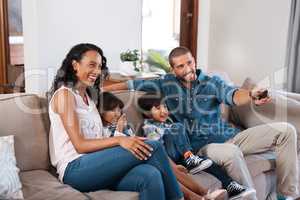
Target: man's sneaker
195, 164
236, 191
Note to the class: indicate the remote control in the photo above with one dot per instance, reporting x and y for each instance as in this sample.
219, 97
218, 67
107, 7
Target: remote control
262, 95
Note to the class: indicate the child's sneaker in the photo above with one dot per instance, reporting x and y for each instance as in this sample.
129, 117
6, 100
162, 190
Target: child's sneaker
236, 191
195, 164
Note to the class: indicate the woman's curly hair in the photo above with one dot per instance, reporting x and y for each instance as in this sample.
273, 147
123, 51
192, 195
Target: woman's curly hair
66, 75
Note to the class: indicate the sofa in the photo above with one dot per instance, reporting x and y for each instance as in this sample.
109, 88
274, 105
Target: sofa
26, 117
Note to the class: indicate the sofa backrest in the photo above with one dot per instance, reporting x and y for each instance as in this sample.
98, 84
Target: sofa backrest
23, 116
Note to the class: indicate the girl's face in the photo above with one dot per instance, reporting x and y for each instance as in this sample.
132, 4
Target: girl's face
160, 113
88, 69
112, 116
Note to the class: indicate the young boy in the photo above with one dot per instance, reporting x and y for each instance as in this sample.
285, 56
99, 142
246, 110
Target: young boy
158, 126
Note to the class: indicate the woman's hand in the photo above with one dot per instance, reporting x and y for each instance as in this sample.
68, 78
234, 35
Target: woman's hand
136, 146
121, 123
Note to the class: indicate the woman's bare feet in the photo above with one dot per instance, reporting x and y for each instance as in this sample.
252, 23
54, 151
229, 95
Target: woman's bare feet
216, 195
193, 196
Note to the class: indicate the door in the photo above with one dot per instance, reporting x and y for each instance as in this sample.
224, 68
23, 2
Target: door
11, 47
4, 48
189, 25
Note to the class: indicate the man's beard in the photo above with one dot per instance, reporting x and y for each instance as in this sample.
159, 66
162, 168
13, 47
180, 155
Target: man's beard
182, 78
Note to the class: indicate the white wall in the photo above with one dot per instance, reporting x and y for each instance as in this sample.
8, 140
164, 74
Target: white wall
246, 38
52, 27
203, 34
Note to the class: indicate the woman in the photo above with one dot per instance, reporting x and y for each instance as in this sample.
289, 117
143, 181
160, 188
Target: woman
84, 158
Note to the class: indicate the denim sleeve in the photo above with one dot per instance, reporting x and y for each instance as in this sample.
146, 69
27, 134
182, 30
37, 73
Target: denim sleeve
224, 92
145, 85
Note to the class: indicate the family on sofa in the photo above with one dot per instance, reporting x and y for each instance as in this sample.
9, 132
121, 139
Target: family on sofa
92, 153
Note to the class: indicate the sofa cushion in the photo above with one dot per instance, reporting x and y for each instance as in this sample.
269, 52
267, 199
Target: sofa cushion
260, 163
40, 184
108, 195
20, 115
207, 180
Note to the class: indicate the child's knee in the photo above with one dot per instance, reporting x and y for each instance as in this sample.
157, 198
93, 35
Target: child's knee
156, 145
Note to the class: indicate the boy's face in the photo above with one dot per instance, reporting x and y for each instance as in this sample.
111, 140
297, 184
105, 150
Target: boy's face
112, 116
159, 113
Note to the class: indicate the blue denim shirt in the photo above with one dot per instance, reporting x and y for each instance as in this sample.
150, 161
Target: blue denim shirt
198, 108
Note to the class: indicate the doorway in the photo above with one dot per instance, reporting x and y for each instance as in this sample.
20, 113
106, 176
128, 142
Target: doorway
11, 44
168, 24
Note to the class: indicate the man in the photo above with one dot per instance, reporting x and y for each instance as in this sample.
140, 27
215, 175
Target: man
194, 99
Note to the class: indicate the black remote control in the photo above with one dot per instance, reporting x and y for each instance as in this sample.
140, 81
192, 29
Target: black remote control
262, 95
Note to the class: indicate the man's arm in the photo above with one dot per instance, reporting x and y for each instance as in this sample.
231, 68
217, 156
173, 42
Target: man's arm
116, 86
232, 95
154, 85
242, 97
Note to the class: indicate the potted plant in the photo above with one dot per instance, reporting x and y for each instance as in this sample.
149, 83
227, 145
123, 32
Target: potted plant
131, 56
157, 60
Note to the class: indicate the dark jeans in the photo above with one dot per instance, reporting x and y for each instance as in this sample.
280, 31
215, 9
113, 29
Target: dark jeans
176, 143
116, 168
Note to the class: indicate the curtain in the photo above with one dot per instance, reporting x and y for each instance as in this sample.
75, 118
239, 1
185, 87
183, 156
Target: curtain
293, 49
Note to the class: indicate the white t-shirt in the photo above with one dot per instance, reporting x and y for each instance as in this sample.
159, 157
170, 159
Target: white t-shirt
62, 150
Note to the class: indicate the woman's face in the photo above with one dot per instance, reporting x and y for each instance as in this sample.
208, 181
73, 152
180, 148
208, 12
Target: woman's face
112, 116
88, 69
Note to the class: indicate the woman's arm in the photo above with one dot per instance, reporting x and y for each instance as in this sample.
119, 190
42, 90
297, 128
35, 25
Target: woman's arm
64, 105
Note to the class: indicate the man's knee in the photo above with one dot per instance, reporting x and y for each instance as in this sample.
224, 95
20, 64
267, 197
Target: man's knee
232, 152
223, 152
291, 132
287, 130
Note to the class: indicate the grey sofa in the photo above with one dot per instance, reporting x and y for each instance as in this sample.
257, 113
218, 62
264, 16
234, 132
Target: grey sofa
26, 117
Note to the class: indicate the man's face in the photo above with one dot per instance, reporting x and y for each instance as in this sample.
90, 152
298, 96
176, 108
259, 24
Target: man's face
184, 67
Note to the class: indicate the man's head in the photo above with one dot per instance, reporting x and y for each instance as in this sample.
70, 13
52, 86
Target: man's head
152, 106
183, 64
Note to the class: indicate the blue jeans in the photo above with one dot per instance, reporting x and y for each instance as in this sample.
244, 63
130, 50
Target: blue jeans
117, 169
176, 142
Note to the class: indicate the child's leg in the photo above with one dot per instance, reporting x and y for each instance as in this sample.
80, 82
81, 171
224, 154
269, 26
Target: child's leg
193, 190
186, 180
220, 174
176, 142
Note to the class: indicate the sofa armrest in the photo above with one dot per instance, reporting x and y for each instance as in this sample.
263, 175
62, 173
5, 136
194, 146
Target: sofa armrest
291, 95
280, 109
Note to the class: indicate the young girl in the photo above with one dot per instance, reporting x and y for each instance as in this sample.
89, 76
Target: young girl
115, 124
113, 118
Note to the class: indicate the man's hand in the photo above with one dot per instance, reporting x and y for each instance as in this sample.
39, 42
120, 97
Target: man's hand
260, 96
242, 97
